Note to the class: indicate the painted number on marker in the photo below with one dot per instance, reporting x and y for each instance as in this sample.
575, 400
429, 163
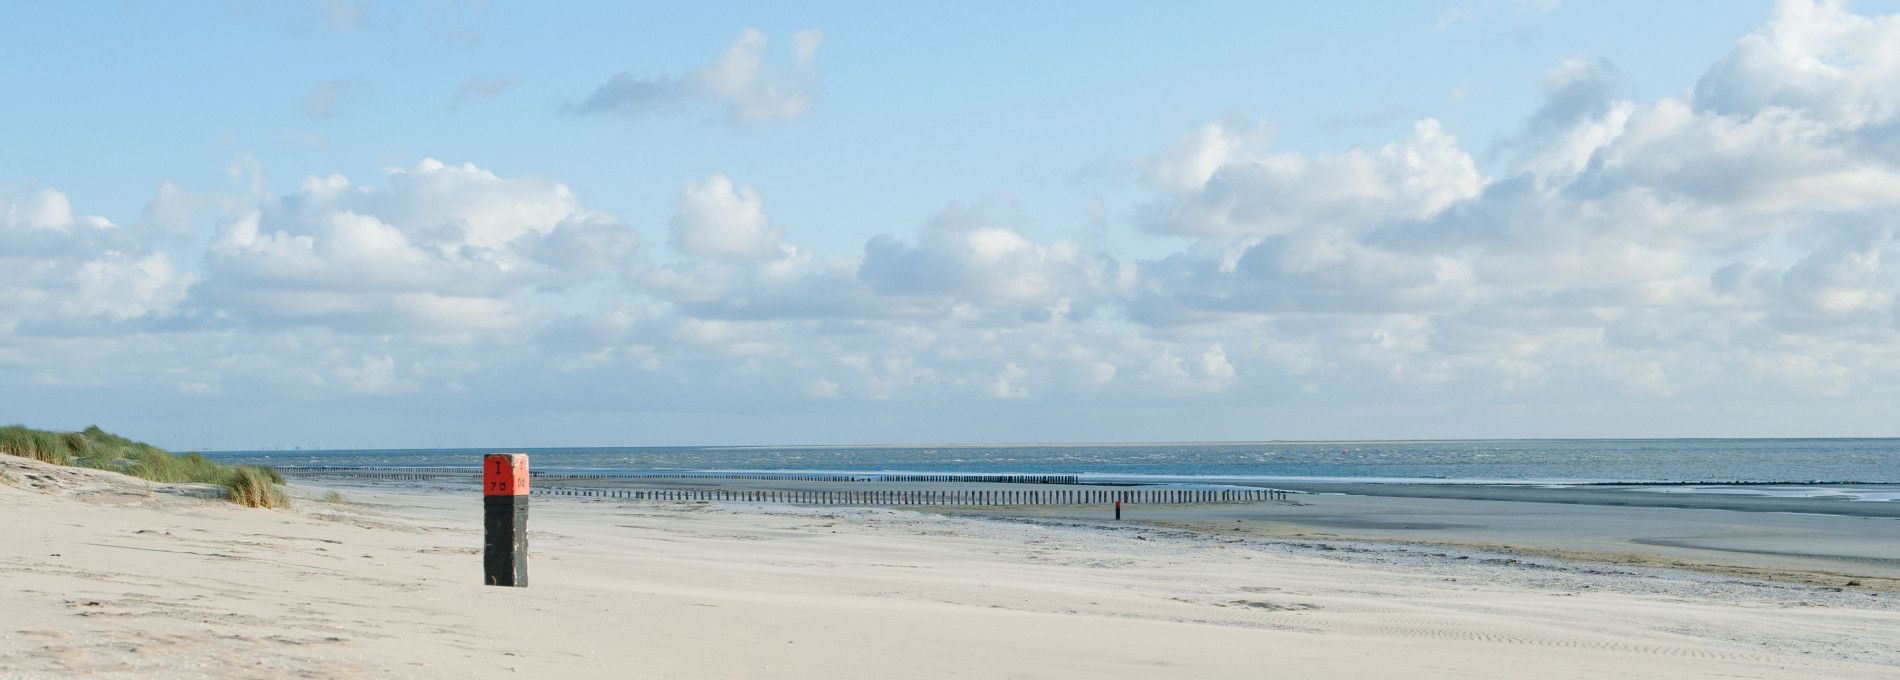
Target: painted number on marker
505, 475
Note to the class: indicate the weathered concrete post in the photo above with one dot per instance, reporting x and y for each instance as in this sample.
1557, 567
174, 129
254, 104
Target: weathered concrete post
505, 519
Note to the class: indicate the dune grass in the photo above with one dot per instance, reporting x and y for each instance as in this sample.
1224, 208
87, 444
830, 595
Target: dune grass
101, 450
252, 486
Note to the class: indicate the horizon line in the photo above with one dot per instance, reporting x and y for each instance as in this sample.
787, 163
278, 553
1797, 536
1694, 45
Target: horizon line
975, 445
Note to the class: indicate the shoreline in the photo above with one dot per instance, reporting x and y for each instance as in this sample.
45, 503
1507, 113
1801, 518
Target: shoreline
1827, 542
1747, 537
1629, 495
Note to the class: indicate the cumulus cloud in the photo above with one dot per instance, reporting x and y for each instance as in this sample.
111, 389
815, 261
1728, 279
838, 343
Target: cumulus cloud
740, 82
1210, 372
719, 220
1817, 58
735, 264
1655, 245
962, 255
68, 271
1007, 384
1222, 182
440, 248
373, 375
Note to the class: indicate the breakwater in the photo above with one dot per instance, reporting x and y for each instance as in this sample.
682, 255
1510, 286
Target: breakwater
895, 497
847, 489
414, 473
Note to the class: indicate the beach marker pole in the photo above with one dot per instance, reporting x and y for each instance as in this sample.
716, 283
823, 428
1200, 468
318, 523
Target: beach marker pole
1118, 509
505, 519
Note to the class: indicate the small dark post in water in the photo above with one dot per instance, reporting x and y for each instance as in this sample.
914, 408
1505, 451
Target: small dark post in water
505, 519
1118, 509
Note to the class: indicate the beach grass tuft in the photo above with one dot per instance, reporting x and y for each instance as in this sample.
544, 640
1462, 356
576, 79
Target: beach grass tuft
252, 487
101, 450
334, 497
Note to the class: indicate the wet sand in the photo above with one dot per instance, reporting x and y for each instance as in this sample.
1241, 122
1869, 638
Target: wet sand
1720, 534
1706, 497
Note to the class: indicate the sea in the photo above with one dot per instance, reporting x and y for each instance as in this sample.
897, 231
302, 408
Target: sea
1565, 461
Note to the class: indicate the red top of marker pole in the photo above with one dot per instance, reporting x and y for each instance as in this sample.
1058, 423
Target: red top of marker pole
505, 474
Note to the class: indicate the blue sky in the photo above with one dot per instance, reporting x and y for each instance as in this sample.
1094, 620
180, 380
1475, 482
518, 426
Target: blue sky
458, 223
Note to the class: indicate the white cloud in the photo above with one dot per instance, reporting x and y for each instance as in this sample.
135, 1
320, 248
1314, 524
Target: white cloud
717, 219
122, 287
67, 272
1007, 384
1211, 372
174, 210
963, 255
1195, 158
1216, 184
373, 376
805, 46
739, 81
1657, 246
44, 209
442, 248
1817, 58
1214, 366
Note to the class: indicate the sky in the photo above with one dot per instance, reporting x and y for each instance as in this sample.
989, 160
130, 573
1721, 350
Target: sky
444, 223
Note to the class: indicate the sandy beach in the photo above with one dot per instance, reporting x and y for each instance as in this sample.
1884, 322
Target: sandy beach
1515, 339
110, 577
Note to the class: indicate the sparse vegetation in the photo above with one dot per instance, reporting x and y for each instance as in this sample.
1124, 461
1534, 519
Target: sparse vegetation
98, 449
253, 487
333, 497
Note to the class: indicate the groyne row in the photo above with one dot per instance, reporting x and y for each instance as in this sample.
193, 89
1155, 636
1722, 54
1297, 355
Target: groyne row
473, 476
896, 497
855, 477
416, 473
558, 485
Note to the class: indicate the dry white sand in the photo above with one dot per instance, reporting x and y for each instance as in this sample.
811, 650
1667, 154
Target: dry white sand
102, 579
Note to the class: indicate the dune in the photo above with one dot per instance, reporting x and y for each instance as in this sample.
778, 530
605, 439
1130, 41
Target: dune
109, 576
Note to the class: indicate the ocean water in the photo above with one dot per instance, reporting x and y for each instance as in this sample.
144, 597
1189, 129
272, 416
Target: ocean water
1782, 461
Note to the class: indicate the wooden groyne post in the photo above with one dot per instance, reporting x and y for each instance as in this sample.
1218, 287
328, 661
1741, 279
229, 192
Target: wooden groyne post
505, 519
